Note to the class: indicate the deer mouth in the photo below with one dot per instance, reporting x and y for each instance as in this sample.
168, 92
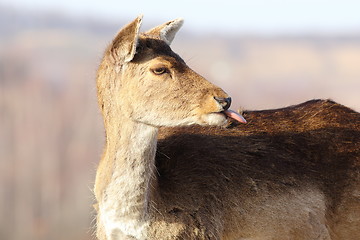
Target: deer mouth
234, 115
222, 118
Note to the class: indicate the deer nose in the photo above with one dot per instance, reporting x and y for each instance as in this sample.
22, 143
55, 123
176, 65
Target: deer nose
224, 102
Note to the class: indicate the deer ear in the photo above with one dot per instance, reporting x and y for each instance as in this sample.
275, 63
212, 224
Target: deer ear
123, 46
166, 31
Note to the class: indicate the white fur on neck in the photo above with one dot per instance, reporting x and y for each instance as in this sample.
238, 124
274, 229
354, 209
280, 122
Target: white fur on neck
124, 205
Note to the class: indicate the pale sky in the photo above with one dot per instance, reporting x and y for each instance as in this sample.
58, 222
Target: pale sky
229, 16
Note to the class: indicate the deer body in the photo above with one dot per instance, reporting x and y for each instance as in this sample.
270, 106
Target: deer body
291, 173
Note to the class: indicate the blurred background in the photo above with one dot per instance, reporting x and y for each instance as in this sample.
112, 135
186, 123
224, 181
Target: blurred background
265, 54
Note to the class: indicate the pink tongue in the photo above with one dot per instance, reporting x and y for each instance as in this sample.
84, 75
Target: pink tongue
235, 115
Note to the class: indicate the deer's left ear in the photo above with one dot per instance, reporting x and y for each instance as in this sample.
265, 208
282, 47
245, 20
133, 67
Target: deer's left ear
166, 31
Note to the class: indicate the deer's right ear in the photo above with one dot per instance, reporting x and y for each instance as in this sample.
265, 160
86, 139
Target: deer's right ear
123, 47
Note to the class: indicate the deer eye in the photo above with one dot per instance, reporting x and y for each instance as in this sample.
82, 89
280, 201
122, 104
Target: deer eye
160, 70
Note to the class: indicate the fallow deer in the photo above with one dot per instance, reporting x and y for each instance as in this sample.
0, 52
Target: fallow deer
177, 165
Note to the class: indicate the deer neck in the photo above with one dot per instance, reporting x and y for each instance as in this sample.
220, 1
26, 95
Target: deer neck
131, 148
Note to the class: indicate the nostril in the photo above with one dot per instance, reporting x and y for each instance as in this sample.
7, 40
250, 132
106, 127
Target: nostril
224, 102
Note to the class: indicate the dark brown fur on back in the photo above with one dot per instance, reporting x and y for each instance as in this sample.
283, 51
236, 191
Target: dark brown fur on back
314, 145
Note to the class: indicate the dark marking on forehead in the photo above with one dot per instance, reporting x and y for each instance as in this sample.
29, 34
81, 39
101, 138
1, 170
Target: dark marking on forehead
155, 48
175, 63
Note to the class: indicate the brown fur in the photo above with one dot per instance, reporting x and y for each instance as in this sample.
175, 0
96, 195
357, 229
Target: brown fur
291, 173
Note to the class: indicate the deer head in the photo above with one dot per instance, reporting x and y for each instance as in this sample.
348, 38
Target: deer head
142, 79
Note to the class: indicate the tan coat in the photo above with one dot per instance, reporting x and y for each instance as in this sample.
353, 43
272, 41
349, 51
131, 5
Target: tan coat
291, 173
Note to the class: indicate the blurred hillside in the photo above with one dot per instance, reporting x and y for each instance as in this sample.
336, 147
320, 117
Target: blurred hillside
51, 132
262, 72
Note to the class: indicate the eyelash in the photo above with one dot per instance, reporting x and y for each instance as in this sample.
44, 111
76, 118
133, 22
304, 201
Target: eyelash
160, 70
